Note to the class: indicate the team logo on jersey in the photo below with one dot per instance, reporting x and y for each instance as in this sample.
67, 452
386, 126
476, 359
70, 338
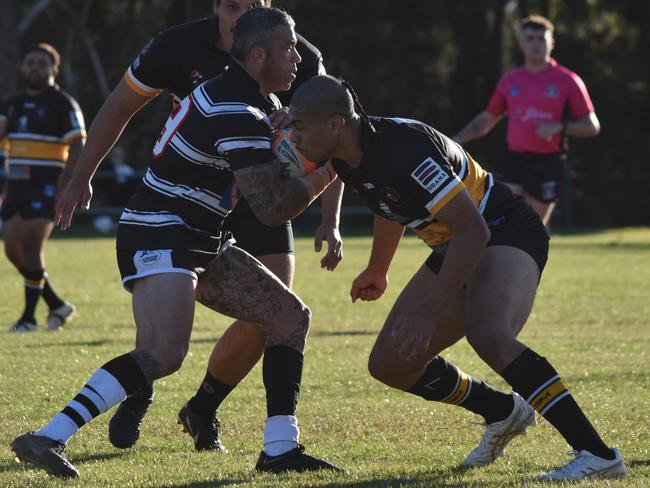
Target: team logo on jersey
430, 175
196, 77
149, 258
390, 195
368, 186
551, 91
514, 91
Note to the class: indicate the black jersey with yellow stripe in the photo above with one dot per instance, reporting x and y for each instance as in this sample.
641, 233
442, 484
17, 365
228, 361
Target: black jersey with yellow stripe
410, 171
183, 56
39, 130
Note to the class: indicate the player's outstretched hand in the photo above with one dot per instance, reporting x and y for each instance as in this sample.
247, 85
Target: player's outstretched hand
75, 193
368, 286
334, 253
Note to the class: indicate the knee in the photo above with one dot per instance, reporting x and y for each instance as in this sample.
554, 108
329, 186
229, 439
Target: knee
488, 345
12, 251
170, 360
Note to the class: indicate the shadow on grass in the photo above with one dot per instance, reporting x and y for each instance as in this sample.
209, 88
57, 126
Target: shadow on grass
210, 484
638, 463
325, 333
68, 344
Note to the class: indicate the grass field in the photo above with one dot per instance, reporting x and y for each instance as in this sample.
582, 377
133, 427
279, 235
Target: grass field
591, 320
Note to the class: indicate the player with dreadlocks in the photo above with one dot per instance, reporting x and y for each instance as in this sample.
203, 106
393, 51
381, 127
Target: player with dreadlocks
488, 251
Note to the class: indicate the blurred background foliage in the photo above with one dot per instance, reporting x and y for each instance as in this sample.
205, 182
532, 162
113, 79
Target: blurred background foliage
434, 60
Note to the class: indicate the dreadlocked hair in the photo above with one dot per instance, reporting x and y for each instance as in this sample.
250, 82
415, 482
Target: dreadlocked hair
357, 104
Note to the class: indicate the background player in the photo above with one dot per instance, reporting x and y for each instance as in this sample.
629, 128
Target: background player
488, 252
544, 102
45, 130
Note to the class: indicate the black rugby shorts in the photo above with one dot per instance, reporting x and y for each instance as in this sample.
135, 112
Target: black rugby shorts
540, 175
29, 199
256, 238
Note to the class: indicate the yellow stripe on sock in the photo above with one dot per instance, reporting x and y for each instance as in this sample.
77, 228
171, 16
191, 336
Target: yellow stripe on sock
547, 395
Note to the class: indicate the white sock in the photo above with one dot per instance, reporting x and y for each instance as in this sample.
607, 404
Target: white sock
100, 393
281, 434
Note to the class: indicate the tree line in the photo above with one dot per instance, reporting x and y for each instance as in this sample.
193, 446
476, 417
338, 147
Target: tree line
433, 60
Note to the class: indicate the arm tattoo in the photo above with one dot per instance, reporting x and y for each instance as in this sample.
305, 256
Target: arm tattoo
273, 199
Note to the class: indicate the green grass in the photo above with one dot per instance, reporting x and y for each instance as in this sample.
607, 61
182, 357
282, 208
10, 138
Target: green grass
591, 320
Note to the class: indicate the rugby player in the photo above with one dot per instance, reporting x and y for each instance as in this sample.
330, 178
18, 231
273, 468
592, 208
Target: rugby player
45, 130
544, 102
176, 61
169, 238
488, 252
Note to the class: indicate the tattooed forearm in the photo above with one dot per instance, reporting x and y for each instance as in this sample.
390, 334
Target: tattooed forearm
272, 198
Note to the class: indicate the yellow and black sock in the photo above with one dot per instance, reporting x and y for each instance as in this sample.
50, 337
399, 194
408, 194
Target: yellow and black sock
533, 377
443, 382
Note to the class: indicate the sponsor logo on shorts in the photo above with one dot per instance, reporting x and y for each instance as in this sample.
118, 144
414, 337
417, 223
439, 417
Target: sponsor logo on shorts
149, 258
36, 205
430, 175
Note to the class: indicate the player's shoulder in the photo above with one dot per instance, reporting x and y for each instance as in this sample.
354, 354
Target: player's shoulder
564, 72
61, 99
308, 52
513, 74
180, 35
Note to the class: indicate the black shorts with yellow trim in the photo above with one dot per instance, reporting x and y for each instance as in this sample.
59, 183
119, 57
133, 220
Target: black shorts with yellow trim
255, 237
30, 199
512, 222
540, 175
145, 251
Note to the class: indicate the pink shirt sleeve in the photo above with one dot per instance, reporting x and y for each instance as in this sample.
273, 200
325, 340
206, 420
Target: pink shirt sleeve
579, 101
498, 104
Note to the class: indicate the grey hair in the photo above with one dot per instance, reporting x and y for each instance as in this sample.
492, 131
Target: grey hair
254, 29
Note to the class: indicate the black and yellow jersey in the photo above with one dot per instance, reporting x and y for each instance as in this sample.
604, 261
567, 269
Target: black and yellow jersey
40, 129
182, 57
410, 171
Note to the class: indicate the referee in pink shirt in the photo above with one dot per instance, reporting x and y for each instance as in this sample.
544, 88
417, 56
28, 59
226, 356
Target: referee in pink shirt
544, 102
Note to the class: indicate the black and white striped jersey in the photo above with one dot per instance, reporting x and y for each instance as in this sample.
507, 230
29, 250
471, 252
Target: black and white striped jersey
410, 171
189, 188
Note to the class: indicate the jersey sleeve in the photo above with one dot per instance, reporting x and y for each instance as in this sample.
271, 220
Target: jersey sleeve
73, 126
579, 100
245, 140
498, 104
431, 180
148, 74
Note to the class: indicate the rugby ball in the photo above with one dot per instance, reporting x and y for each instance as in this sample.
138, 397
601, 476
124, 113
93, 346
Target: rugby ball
294, 163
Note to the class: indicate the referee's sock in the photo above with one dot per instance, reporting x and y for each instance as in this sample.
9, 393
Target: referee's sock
34, 281
533, 377
108, 386
443, 382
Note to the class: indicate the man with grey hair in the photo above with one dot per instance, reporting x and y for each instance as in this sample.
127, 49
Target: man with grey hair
176, 61
171, 248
